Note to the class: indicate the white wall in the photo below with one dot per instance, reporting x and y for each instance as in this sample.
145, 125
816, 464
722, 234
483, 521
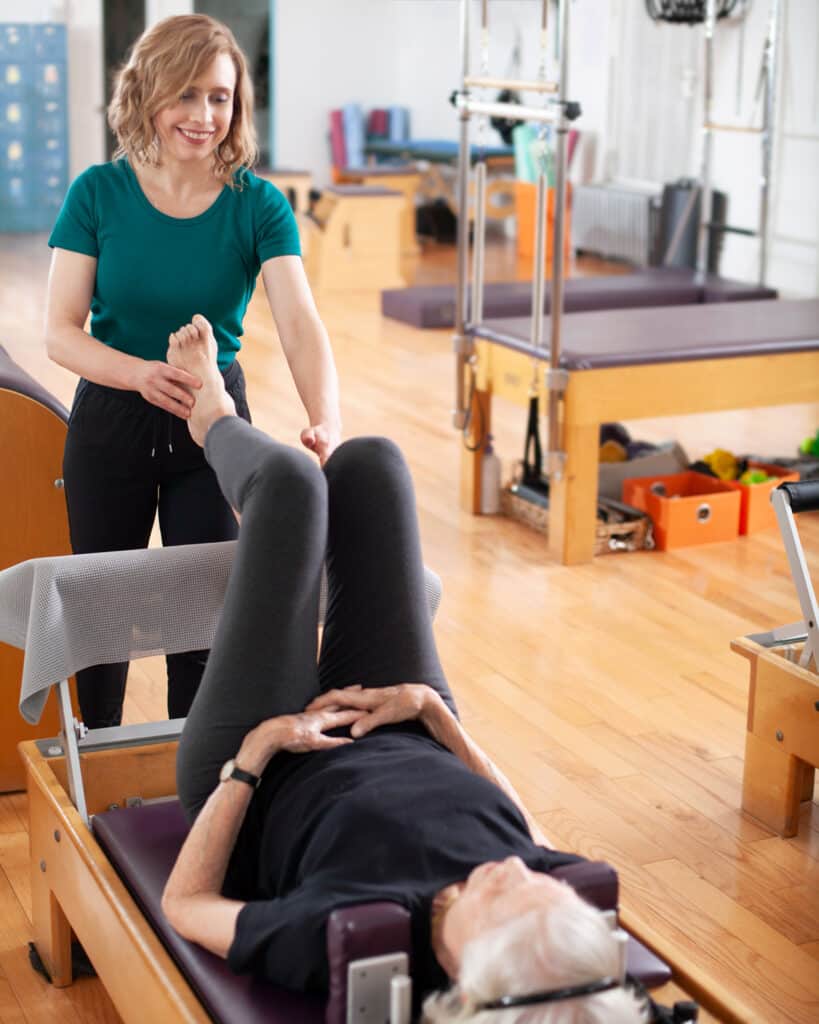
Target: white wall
328, 54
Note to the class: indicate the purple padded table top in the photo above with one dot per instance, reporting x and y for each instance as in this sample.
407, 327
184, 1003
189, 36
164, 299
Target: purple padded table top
629, 337
434, 305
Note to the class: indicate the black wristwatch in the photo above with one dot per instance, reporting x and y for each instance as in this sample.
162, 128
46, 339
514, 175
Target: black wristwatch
230, 770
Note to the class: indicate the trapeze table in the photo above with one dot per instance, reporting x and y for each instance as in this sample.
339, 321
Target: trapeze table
633, 364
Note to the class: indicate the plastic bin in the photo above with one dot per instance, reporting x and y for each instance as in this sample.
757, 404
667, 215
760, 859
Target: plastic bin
686, 508
756, 511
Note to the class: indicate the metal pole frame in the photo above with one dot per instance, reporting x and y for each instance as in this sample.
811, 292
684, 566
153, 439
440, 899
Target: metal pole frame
771, 70
704, 234
801, 576
462, 343
556, 379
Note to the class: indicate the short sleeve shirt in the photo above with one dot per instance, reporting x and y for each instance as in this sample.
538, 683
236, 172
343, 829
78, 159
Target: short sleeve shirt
393, 816
154, 272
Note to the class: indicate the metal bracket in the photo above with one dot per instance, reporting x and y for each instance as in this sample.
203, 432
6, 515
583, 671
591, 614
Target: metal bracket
464, 345
556, 381
71, 732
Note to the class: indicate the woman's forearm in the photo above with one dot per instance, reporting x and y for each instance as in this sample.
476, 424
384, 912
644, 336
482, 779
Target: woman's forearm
76, 350
310, 358
202, 862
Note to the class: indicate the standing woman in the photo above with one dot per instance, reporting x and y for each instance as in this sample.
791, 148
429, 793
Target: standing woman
176, 225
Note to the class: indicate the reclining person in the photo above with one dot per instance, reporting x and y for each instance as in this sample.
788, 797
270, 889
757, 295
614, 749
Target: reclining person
313, 784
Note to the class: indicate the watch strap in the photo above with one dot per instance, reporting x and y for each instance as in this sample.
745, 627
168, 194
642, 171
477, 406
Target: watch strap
242, 776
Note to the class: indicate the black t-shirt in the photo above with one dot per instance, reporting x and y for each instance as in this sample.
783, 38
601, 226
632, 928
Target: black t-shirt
393, 816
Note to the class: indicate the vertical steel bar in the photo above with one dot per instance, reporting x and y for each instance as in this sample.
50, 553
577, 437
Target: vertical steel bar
76, 788
800, 573
479, 242
538, 267
558, 269
707, 139
768, 126
463, 346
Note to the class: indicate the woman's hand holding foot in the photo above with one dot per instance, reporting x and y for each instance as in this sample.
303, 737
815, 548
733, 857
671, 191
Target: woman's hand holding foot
193, 349
167, 387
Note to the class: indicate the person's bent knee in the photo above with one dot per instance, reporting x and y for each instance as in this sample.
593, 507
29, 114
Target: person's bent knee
371, 453
285, 473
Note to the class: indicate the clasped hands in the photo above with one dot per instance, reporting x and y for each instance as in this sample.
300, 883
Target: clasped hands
362, 709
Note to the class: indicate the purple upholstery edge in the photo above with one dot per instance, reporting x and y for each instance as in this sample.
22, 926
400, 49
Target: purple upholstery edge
14, 378
354, 933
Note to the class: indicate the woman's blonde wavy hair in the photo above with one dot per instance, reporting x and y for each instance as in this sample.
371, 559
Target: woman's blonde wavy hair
162, 64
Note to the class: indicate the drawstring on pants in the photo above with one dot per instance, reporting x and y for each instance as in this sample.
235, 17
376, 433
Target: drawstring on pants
157, 425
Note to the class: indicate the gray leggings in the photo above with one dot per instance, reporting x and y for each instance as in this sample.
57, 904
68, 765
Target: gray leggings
359, 516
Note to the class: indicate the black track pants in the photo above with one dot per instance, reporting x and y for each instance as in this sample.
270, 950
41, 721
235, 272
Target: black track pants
124, 460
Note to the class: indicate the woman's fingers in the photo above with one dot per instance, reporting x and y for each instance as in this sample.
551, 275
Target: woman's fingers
334, 719
350, 695
381, 716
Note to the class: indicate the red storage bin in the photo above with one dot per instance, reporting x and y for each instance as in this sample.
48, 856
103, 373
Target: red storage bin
756, 511
686, 508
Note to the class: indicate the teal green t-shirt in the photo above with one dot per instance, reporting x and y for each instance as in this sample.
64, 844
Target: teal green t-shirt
154, 272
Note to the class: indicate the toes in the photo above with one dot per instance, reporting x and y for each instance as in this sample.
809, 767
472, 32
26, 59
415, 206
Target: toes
200, 323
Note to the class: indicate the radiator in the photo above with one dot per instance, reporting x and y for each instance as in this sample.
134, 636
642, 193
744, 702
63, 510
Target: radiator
617, 221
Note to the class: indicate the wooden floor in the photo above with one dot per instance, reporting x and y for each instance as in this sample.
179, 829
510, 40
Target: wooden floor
607, 692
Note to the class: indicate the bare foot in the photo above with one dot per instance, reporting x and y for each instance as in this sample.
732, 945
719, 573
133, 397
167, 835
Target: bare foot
193, 348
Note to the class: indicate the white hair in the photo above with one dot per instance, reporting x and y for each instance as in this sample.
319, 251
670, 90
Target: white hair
567, 943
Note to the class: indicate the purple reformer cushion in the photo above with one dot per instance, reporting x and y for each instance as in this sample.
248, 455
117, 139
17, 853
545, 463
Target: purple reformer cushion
434, 305
142, 843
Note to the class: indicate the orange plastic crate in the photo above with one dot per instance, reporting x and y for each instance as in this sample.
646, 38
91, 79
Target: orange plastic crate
757, 512
686, 508
525, 209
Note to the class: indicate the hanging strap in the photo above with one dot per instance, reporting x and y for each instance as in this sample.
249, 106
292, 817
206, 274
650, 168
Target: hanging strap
532, 471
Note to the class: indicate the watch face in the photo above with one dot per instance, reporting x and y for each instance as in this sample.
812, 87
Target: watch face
227, 770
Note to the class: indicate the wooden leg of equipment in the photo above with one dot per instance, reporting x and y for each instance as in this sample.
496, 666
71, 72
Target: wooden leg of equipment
480, 426
573, 499
771, 786
75, 888
782, 741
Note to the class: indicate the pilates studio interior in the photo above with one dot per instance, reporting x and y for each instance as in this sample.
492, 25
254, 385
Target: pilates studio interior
567, 256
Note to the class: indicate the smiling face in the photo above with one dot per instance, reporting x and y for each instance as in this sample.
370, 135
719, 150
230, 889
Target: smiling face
494, 894
194, 126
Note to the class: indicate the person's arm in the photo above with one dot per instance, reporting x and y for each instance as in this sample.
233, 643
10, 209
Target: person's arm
407, 701
70, 289
307, 350
192, 900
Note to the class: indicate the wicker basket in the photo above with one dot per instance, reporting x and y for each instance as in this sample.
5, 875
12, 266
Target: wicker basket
632, 535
